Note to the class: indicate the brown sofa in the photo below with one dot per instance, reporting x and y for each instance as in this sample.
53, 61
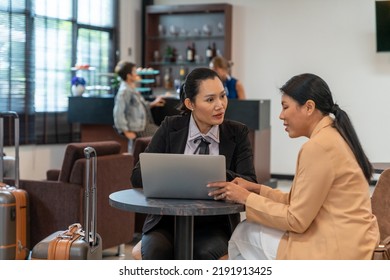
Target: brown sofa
59, 201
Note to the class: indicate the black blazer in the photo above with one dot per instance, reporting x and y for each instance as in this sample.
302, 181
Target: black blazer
171, 137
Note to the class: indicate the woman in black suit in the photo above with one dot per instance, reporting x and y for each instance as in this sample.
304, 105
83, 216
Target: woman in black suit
203, 105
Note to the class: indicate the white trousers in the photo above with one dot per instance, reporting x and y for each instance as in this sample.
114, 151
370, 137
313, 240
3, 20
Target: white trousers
252, 241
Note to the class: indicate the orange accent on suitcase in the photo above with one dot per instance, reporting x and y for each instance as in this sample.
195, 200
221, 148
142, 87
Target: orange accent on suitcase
21, 223
59, 248
7, 204
7, 246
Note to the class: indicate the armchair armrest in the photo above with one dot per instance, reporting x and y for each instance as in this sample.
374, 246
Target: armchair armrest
53, 174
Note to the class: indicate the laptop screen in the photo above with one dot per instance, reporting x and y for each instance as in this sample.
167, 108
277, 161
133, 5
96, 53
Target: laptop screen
179, 175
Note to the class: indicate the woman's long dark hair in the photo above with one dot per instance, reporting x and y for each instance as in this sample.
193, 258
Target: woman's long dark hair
311, 87
190, 88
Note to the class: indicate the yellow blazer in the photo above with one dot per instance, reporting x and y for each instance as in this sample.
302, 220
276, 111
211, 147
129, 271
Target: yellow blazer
327, 213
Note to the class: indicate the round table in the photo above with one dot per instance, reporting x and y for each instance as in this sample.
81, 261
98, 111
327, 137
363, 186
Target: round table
183, 210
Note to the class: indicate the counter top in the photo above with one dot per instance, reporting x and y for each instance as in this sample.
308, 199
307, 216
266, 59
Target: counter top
99, 110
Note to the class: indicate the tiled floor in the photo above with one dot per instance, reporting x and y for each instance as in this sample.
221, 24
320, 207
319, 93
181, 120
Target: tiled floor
111, 254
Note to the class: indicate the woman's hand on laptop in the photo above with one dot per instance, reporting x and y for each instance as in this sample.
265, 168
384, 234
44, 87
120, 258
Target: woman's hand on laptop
250, 186
229, 191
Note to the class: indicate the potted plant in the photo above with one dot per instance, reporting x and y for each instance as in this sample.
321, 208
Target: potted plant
78, 86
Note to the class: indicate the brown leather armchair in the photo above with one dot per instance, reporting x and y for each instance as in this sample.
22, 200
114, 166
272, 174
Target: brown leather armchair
59, 201
380, 203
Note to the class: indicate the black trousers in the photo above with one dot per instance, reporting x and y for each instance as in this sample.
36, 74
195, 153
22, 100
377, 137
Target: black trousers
210, 239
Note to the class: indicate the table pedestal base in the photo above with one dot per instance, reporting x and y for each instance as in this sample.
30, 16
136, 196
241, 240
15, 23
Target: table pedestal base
184, 237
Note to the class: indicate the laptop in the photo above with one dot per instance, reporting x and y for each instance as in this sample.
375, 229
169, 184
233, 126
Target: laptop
179, 175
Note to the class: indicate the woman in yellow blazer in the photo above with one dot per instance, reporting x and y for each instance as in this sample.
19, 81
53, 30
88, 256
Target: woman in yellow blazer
327, 213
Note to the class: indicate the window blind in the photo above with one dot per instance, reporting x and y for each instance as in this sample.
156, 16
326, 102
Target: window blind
40, 42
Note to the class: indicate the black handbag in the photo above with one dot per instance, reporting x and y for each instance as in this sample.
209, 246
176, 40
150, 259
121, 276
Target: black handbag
382, 251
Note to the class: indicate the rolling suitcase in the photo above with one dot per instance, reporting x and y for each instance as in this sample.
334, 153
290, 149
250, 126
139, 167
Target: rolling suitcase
76, 243
14, 222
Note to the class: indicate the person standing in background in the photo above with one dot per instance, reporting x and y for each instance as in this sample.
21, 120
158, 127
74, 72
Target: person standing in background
132, 115
234, 88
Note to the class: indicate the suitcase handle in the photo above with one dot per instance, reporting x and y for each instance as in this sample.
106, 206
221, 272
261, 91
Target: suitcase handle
90, 186
9, 114
14, 115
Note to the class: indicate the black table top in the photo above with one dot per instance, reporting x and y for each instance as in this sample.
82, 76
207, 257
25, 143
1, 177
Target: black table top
134, 200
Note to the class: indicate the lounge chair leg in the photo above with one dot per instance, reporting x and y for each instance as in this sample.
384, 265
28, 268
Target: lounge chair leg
121, 250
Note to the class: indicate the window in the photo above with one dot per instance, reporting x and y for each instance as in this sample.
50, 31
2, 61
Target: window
40, 43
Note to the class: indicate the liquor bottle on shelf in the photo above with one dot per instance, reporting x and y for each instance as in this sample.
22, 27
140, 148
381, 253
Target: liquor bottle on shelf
214, 50
168, 82
182, 74
190, 54
193, 52
209, 53
170, 54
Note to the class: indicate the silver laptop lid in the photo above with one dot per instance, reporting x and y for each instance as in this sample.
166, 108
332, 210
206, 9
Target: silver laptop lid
180, 176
